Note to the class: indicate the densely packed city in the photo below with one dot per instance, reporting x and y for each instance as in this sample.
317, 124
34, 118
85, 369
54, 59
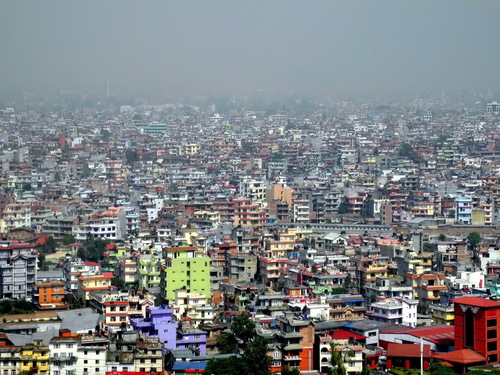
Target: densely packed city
178, 239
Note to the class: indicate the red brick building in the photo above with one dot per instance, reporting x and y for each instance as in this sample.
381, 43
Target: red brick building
477, 322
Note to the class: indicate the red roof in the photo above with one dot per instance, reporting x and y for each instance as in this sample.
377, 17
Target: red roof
91, 263
407, 350
439, 334
476, 301
342, 334
463, 356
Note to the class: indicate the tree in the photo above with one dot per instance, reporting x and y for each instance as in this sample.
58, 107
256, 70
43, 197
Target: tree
93, 249
225, 366
255, 357
290, 371
442, 237
439, 369
474, 239
68, 239
227, 343
49, 246
115, 281
338, 358
243, 328
348, 283
131, 157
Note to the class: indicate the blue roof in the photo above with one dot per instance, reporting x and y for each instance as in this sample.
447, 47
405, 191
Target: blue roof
189, 365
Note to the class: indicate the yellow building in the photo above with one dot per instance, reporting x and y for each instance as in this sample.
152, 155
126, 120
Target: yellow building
442, 314
90, 283
34, 358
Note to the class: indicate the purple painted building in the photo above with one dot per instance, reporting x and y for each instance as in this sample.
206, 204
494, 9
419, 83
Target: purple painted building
158, 323
192, 338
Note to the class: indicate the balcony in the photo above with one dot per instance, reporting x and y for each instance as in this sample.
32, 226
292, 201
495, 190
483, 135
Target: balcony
292, 358
63, 358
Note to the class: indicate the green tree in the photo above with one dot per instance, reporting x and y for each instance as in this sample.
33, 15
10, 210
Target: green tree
93, 249
227, 343
68, 239
131, 156
225, 366
243, 328
474, 239
49, 246
41, 260
337, 359
290, 371
439, 369
348, 283
115, 281
255, 357
442, 237
407, 151
429, 247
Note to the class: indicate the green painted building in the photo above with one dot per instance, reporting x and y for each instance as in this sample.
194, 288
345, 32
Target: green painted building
185, 269
149, 268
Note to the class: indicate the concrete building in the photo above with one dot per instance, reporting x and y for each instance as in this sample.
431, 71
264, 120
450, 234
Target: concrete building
402, 311
185, 269
17, 270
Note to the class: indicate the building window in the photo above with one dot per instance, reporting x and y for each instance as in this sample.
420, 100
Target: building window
492, 346
492, 334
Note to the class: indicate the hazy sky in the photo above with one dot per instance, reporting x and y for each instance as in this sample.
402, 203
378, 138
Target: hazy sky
242, 46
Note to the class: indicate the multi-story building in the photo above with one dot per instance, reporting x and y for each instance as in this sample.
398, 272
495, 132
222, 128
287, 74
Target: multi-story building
476, 326
248, 214
93, 282
149, 270
148, 357
59, 226
10, 359
72, 270
387, 287
159, 322
242, 266
17, 270
301, 211
463, 210
345, 306
16, 215
91, 355
126, 271
184, 269
253, 189
297, 340
426, 288
50, 295
401, 311
110, 224
34, 358
63, 353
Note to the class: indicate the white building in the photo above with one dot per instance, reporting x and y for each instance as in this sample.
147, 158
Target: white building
465, 280
300, 211
63, 351
401, 311
91, 355
463, 210
109, 225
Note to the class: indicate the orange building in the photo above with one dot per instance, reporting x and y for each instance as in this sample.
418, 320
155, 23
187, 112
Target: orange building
298, 342
50, 295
